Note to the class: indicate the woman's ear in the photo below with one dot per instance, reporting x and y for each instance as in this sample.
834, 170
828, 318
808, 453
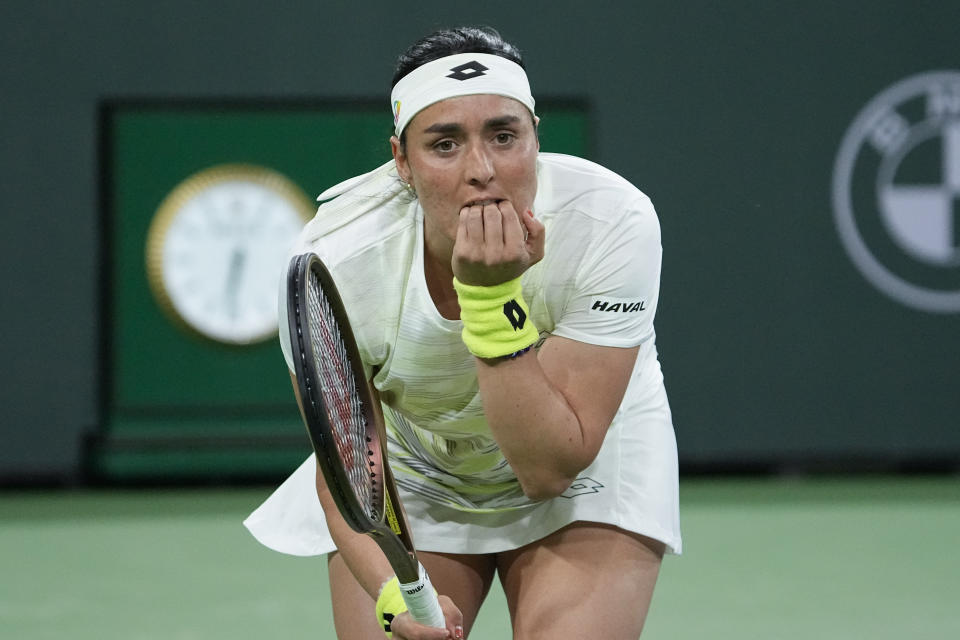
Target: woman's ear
403, 169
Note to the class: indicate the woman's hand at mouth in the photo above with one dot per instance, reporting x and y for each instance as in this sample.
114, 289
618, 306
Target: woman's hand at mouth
494, 243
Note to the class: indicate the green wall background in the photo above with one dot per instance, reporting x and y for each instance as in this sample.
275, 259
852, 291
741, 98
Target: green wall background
776, 350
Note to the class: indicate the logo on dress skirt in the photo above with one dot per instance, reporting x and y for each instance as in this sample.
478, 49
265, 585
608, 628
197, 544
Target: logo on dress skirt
582, 486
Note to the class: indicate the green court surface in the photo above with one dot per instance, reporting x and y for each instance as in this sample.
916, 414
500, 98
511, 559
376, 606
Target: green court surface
872, 558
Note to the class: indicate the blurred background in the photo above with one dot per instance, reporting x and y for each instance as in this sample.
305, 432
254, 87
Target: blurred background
804, 160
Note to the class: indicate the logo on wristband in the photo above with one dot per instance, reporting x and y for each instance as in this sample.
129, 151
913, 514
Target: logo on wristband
515, 314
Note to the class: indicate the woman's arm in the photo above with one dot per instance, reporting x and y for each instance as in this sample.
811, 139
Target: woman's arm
369, 565
549, 410
359, 551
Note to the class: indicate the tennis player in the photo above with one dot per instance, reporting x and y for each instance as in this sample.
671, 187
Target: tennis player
503, 301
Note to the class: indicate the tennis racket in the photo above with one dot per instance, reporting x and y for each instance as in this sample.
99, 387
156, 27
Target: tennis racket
345, 425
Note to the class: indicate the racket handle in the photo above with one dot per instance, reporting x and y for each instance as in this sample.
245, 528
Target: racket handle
421, 599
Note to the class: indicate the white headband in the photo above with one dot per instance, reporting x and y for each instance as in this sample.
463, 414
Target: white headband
462, 74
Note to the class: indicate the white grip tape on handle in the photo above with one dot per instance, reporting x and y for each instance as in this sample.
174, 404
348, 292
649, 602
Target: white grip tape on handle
421, 600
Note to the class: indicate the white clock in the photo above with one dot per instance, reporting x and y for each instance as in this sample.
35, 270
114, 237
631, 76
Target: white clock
217, 247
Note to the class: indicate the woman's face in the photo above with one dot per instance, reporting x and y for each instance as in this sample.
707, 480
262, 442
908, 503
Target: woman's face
464, 151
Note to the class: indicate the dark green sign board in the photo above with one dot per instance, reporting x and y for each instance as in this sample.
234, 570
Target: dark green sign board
175, 403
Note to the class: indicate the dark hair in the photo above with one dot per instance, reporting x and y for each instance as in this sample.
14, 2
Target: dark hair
448, 42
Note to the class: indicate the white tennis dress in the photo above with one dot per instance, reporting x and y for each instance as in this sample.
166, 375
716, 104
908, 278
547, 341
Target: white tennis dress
598, 283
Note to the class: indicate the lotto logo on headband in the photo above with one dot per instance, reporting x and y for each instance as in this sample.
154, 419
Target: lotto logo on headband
396, 111
474, 68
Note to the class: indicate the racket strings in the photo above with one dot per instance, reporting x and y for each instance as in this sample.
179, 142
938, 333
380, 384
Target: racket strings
341, 399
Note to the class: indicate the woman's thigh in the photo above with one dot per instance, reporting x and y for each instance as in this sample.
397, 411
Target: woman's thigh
586, 580
465, 579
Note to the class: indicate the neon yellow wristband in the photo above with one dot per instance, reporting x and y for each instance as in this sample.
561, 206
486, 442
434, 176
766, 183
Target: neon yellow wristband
390, 604
496, 320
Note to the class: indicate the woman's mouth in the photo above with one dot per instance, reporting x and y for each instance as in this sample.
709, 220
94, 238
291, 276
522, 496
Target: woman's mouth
482, 203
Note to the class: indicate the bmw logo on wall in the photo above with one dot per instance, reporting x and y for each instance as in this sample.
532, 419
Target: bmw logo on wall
896, 191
